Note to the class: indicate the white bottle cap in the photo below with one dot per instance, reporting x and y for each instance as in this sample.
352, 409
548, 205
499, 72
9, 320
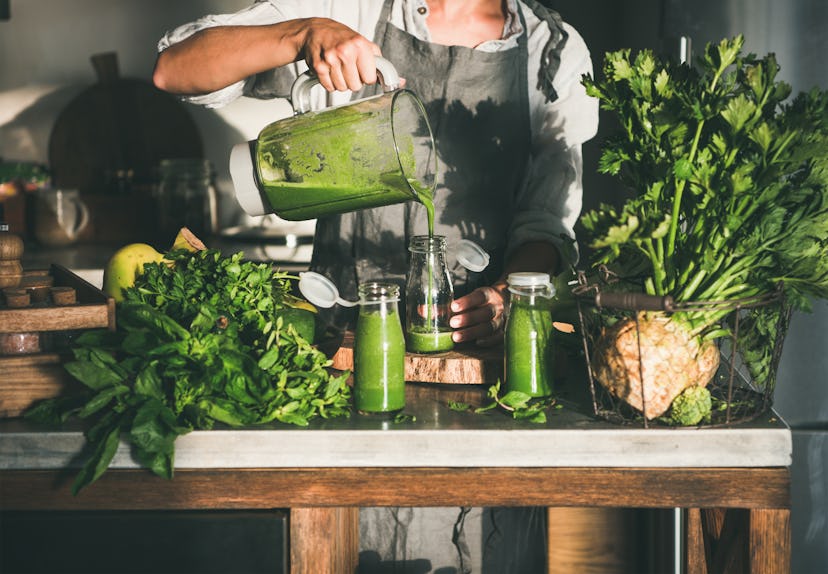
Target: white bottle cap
471, 256
244, 180
321, 291
530, 279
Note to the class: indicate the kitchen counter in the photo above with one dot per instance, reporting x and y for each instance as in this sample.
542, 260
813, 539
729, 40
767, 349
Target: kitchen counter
438, 437
325, 472
92, 257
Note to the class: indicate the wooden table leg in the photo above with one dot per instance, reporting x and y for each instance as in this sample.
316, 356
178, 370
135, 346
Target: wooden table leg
594, 540
324, 540
754, 541
770, 541
694, 559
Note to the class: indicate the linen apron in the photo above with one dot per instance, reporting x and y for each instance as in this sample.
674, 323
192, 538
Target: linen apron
478, 107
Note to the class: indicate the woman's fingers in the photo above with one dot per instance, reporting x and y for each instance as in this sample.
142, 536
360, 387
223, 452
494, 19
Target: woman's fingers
341, 58
478, 316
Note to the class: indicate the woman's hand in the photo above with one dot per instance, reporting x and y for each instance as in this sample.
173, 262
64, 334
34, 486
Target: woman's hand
479, 316
342, 58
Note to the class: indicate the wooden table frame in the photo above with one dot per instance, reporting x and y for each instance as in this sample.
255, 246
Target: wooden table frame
737, 519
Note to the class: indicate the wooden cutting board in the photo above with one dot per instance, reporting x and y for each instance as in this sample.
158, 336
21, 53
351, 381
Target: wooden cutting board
117, 131
466, 364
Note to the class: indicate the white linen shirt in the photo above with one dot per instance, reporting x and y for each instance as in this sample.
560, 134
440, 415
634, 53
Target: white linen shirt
557, 128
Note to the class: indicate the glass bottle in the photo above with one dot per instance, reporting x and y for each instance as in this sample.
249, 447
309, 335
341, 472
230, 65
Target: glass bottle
428, 296
527, 348
187, 197
379, 351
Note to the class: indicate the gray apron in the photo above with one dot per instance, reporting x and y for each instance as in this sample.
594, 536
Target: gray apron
477, 104
478, 107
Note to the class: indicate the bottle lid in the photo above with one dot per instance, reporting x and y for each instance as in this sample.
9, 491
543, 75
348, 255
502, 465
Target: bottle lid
531, 279
320, 290
471, 256
244, 180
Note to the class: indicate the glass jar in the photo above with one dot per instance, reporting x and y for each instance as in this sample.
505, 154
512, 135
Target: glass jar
379, 351
428, 296
187, 197
528, 335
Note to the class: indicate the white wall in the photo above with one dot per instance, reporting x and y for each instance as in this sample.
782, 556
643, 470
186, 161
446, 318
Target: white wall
45, 51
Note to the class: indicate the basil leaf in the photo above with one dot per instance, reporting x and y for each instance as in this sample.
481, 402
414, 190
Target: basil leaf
92, 375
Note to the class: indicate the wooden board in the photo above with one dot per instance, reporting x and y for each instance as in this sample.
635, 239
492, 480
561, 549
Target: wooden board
115, 133
94, 309
29, 378
26, 379
466, 364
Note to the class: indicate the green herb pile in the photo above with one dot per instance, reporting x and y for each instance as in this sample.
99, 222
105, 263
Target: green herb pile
730, 180
198, 342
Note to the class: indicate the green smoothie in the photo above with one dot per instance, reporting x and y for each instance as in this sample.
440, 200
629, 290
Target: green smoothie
428, 297
298, 201
379, 361
342, 159
430, 341
527, 348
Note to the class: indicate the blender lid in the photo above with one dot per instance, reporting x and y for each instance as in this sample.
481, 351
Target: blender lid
244, 180
471, 256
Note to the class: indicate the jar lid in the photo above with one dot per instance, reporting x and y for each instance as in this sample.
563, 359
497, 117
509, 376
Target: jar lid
471, 256
530, 279
244, 180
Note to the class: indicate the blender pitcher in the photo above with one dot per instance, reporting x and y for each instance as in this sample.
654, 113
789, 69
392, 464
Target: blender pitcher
368, 153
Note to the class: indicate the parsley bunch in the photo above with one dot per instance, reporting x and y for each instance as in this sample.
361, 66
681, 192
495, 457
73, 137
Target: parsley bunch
199, 341
729, 179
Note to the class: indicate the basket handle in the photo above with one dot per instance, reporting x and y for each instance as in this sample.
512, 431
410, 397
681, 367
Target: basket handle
634, 301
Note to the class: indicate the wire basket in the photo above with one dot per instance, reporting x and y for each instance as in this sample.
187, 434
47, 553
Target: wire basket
641, 355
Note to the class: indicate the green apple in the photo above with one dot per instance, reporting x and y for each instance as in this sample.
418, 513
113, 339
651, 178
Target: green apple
125, 265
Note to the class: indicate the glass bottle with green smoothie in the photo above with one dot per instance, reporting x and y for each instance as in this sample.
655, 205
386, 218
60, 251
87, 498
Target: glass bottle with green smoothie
379, 351
528, 334
428, 296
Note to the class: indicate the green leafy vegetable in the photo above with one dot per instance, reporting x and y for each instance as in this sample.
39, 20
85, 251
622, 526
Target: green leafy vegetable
198, 342
520, 405
401, 418
730, 179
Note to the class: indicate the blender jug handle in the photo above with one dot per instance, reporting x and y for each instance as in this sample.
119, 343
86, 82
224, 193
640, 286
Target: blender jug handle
300, 91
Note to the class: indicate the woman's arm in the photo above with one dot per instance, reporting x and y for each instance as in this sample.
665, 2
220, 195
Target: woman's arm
219, 56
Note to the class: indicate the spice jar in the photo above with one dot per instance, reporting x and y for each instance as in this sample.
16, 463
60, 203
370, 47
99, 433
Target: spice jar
187, 197
428, 296
18, 343
528, 332
379, 351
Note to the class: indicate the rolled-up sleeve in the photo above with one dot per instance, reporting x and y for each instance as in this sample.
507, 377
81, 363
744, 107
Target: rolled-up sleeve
262, 12
549, 202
